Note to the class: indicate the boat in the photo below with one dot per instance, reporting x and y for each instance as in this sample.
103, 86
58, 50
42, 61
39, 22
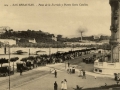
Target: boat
39, 52
20, 52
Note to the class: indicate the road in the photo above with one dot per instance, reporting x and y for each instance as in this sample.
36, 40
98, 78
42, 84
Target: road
41, 79
17, 80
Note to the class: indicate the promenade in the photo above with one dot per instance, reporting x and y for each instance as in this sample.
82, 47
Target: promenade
46, 82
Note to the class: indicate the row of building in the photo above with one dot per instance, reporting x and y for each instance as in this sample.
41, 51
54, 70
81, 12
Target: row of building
13, 42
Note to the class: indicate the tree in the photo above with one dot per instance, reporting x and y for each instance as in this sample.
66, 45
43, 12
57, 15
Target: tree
13, 60
24, 59
3, 60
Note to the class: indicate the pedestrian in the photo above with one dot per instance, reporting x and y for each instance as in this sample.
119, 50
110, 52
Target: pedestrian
70, 70
68, 64
73, 70
65, 84
50, 70
21, 71
55, 74
95, 76
62, 85
118, 78
105, 84
84, 74
55, 85
79, 73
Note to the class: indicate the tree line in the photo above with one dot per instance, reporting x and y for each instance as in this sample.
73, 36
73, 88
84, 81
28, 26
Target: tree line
45, 39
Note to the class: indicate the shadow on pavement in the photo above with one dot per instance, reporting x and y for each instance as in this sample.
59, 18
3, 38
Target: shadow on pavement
115, 86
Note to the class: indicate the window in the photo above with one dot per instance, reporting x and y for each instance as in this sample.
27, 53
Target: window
96, 70
100, 70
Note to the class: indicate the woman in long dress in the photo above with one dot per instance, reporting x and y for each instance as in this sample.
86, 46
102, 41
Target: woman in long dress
62, 85
65, 84
79, 73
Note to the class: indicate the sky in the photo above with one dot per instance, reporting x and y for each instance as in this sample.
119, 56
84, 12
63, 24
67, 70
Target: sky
66, 18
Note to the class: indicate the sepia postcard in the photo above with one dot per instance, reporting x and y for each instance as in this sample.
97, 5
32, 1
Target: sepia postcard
59, 45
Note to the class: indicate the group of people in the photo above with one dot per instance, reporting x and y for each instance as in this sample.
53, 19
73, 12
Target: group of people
63, 85
88, 60
71, 70
54, 71
82, 74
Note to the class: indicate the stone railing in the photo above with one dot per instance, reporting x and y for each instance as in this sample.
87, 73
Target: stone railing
107, 65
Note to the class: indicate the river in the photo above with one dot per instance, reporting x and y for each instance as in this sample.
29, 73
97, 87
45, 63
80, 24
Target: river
32, 51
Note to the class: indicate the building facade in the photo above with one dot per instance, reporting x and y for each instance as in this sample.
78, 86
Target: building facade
10, 41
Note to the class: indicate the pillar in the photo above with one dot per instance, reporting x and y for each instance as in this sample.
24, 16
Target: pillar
115, 32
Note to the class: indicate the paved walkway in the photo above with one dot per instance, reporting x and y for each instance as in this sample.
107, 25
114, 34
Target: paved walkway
62, 66
46, 82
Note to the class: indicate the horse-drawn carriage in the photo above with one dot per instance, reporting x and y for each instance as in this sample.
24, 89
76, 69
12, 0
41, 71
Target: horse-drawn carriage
21, 65
6, 70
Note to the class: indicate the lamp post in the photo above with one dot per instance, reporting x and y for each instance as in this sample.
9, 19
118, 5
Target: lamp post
73, 47
29, 52
65, 64
9, 65
7, 43
57, 46
49, 50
